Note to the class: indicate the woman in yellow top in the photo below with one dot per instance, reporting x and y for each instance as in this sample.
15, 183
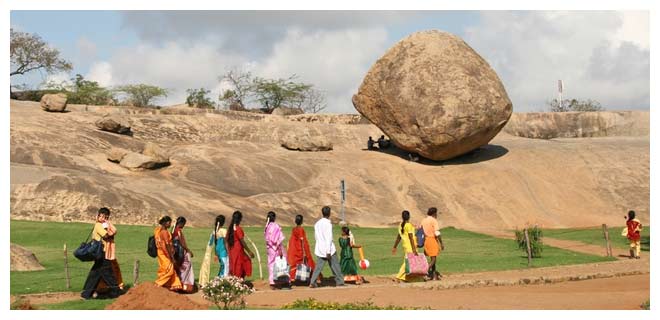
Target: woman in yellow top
102, 268
408, 240
167, 276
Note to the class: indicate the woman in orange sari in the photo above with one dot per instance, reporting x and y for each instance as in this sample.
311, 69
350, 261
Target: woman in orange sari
240, 264
167, 276
298, 242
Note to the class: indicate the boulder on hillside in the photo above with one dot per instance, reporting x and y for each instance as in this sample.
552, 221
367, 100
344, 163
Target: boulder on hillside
434, 95
136, 161
153, 150
114, 123
22, 259
306, 142
116, 154
285, 111
54, 102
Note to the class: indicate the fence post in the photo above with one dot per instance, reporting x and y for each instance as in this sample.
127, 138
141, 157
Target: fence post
66, 269
608, 245
136, 272
529, 248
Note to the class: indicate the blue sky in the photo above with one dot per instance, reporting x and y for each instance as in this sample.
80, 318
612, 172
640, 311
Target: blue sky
601, 55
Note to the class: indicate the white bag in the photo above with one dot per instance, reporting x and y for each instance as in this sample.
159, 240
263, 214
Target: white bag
280, 268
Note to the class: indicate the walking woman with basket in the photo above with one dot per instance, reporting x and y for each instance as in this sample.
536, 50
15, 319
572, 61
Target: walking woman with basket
278, 273
406, 236
102, 268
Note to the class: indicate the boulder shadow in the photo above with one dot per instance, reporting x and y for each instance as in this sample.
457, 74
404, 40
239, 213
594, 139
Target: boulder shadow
483, 153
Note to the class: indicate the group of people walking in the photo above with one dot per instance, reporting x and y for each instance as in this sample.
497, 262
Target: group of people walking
174, 256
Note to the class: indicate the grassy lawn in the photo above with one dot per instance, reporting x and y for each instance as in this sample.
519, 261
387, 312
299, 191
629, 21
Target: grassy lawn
465, 252
595, 236
92, 304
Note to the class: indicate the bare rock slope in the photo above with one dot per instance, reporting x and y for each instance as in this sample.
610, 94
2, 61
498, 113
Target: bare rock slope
223, 161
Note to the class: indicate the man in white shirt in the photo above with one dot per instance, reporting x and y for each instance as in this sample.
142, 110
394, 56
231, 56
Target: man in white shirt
325, 250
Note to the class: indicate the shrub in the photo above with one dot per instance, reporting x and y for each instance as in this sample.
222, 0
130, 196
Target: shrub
535, 240
198, 99
313, 304
141, 95
646, 305
227, 293
575, 105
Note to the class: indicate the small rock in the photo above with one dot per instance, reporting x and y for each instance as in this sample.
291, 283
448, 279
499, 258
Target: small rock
285, 111
134, 160
114, 123
116, 154
153, 150
54, 102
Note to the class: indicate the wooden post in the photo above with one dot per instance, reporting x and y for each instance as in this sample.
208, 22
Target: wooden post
529, 249
136, 272
608, 245
66, 269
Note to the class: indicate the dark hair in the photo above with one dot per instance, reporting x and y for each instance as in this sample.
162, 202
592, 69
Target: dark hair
325, 211
270, 217
219, 222
405, 216
299, 219
432, 211
631, 215
345, 230
236, 218
164, 220
181, 220
104, 211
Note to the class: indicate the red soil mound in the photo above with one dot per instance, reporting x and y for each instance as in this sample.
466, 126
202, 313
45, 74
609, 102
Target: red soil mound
149, 296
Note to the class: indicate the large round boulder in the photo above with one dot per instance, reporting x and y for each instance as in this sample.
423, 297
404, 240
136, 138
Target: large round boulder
434, 95
53, 102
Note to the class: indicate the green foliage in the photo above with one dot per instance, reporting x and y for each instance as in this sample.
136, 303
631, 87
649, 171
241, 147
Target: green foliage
281, 92
646, 305
575, 105
89, 92
28, 52
241, 84
313, 304
141, 95
535, 240
227, 292
198, 98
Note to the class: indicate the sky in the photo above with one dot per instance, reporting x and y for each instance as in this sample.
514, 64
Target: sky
599, 55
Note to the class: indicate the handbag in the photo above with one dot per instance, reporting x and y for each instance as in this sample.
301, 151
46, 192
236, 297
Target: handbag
280, 268
416, 264
178, 250
90, 250
303, 270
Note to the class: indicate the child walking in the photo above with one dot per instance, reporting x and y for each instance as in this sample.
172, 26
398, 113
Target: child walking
347, 262
634, 229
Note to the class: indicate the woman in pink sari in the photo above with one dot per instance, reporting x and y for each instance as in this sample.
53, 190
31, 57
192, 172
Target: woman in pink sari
274, 247
184, 267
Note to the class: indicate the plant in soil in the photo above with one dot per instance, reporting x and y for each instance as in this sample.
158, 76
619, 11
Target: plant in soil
535, 240
227, 293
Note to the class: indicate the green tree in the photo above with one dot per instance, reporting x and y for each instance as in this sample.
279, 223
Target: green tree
89, 92
241, 89
141, 95
574, 105
278, 93
197, 98
28, 52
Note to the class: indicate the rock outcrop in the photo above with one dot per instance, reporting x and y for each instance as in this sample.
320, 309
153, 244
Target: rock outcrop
434, 95
114, 123
548, 125
136, 161
116, 154
54, 102
285, 111
23, 259
306, 142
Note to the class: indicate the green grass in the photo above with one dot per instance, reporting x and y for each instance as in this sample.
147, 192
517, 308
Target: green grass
594, 236
466, 252
93, 304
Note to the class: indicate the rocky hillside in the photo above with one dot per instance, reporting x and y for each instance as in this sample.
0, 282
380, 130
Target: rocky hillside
222, 161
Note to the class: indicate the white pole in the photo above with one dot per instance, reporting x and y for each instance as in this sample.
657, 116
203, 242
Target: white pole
561, 89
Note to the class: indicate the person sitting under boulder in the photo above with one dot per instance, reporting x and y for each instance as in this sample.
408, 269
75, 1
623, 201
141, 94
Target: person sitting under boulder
383, 143
370, 144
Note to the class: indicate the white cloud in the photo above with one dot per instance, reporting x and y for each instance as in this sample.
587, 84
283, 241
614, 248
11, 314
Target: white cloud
101, 72
334, 61
530, 51
86, 50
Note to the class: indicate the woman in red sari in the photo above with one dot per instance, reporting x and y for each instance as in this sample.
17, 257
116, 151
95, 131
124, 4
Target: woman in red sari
240, 264
298, 242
